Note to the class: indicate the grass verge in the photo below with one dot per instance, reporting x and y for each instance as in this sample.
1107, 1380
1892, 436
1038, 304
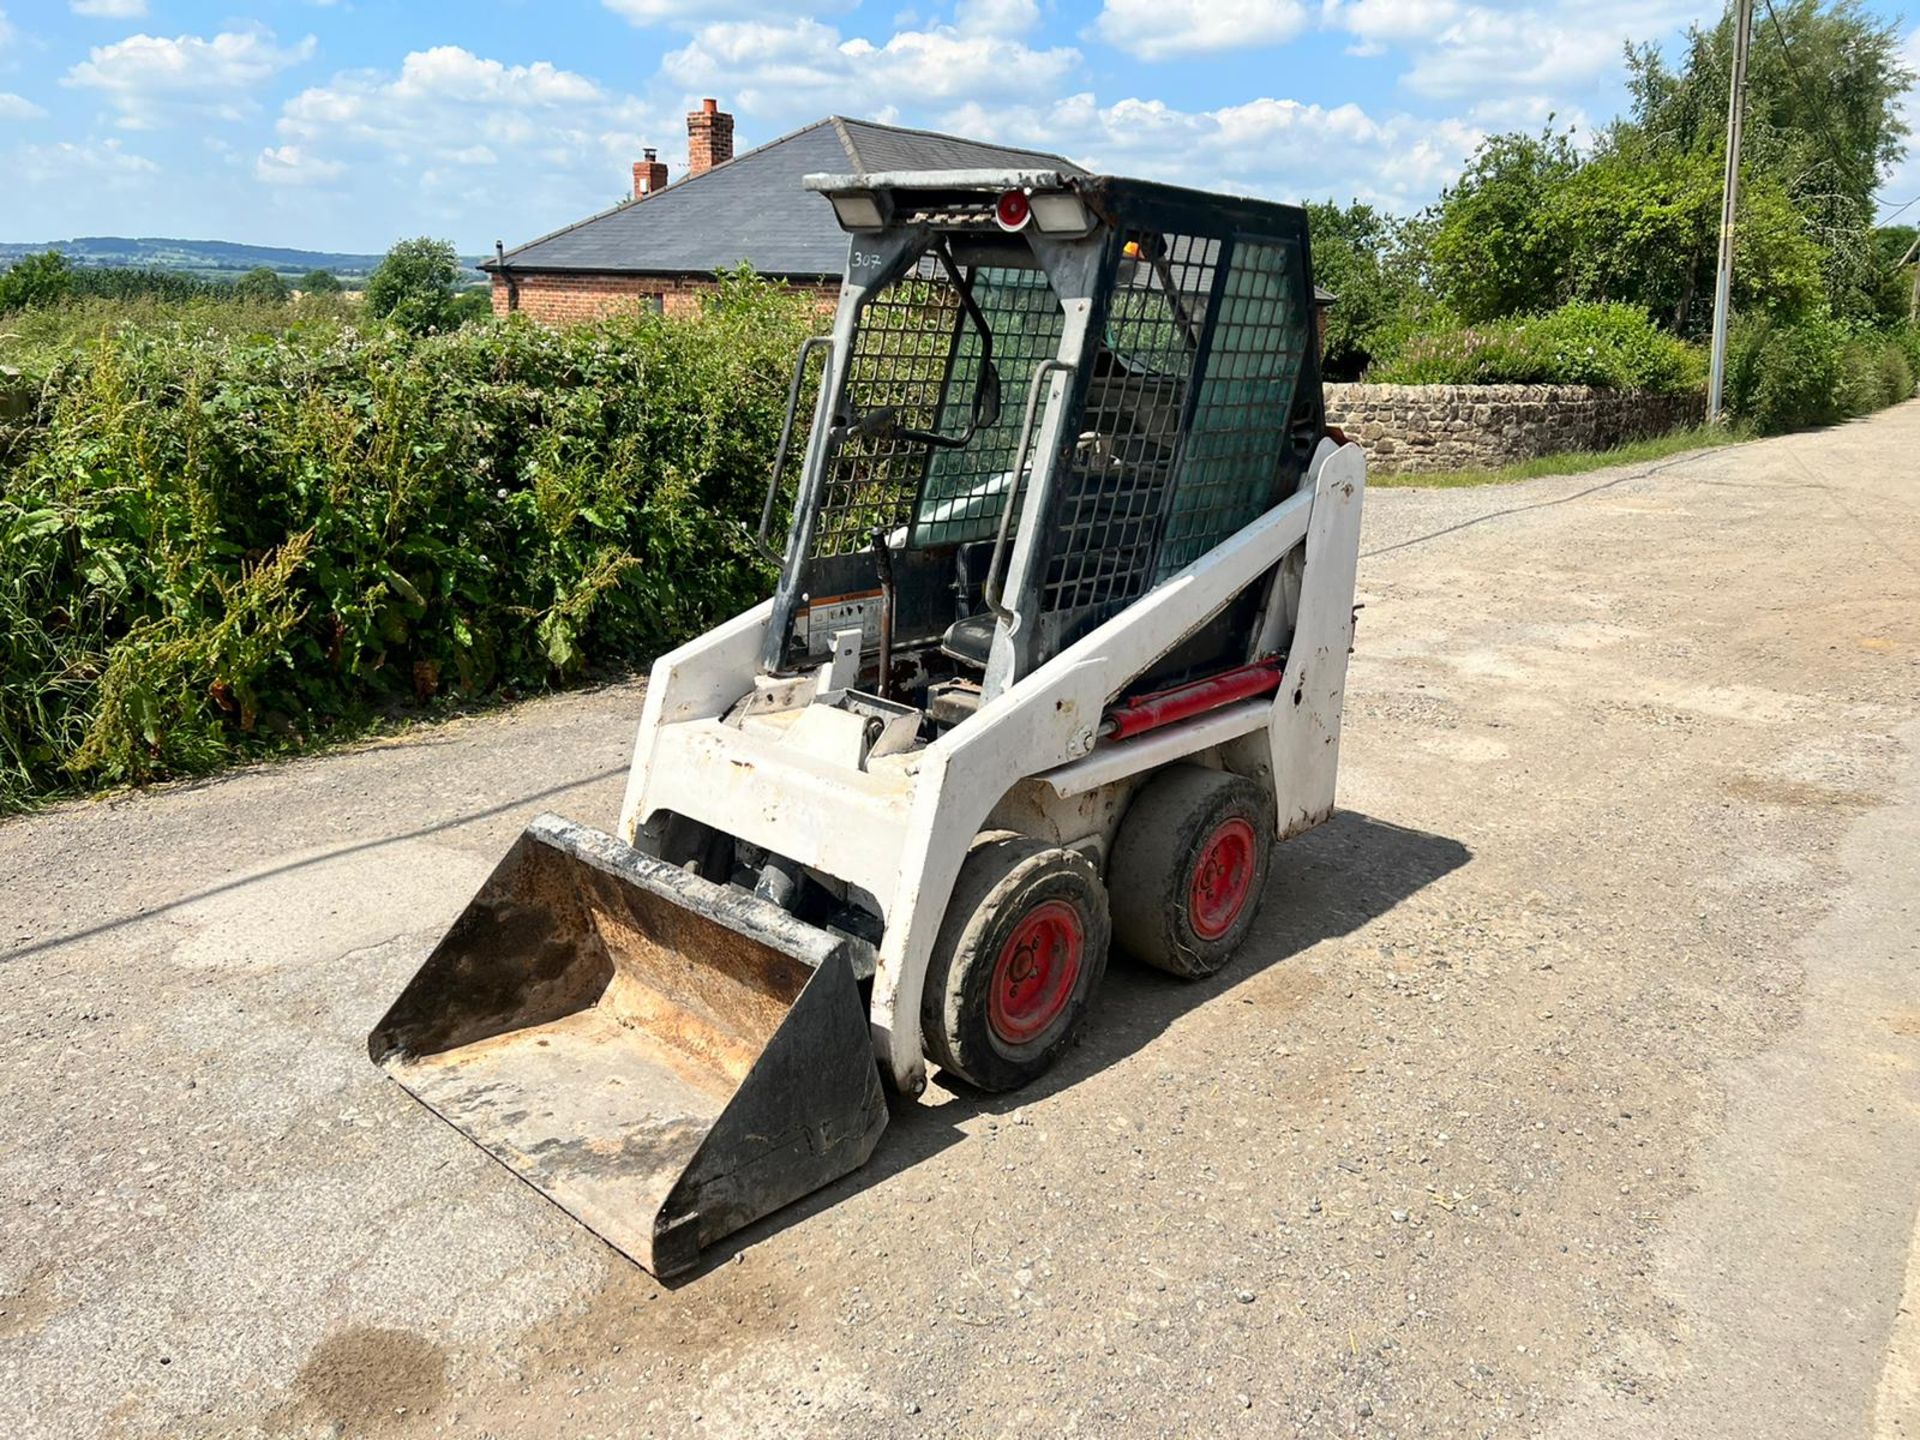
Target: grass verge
1574, 462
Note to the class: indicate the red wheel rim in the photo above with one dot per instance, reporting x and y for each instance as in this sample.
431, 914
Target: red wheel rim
1034, 977
1222, 879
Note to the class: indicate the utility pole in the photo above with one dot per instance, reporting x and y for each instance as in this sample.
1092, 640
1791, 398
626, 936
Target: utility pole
1729, 205
1913, 306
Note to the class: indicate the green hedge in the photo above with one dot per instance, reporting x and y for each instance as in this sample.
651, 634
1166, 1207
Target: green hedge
1815, 372
212, 546
1780, 375
1616, 346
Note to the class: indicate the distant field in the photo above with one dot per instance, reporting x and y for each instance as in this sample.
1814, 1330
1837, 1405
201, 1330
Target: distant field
208, 259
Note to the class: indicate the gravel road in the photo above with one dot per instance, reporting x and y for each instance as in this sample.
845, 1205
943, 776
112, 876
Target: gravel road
1568, 1086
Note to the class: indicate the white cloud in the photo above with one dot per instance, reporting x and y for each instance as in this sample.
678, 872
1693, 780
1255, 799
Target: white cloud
110, 9
804, 69
67, 162
1459, 49
1163, 29
704, 12
6, 31
446, 101
1280, 149
996, 17
1377, 22
1486, 49
290, 165
448, 72
150, 79
18, 107
457, 141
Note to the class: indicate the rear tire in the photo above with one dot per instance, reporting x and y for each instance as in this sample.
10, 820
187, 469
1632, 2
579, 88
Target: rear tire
1189, 866
1020, 952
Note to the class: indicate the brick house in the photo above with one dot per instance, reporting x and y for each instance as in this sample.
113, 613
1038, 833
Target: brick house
662, 246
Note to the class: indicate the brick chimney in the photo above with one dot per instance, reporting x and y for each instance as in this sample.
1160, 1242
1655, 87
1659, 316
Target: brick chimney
709, 138
649, 175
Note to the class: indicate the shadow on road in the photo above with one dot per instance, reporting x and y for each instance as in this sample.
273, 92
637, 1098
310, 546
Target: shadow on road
1325, 884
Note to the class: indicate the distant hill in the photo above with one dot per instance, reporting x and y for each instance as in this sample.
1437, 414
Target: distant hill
213, 259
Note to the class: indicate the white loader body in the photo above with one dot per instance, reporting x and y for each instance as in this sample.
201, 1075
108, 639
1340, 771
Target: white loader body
900, 827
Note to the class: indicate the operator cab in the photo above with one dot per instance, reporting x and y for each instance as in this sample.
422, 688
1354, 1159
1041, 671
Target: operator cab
1043, 396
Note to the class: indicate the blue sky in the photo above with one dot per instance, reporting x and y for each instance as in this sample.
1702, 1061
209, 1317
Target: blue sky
344, 124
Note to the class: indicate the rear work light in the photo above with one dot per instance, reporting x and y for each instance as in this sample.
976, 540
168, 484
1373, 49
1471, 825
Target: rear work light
1060, 212
1012, 210
859, 210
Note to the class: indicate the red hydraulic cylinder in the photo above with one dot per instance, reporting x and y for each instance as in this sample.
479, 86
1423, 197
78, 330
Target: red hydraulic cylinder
1196, 697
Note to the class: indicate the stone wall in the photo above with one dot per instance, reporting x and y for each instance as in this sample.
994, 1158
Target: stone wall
1419, 429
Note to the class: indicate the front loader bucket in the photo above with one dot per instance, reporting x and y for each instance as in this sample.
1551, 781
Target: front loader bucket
665, 1058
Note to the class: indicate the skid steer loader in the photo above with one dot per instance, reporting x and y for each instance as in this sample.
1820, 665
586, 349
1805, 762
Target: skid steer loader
1055, 658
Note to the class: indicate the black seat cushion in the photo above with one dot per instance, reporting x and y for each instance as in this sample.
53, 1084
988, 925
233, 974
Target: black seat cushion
969, 640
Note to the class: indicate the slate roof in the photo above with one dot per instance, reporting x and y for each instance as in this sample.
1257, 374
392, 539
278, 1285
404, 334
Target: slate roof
752, 209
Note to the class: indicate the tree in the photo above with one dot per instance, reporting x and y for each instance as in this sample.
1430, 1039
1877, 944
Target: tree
1370, 261
414, 285
33, 280
1892, 244
1824, 124
1824, 88
319, 282
263, 285
1641, 225
1533, 223
1498, 243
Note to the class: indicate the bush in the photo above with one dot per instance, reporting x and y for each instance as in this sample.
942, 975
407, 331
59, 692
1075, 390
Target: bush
1616, 346
1864, 384
36, 339
263, 285
35, 280
131, 282
1784, 376
319, 282
215, 545
470, 305
1813, 371
1896, 374
1906, 339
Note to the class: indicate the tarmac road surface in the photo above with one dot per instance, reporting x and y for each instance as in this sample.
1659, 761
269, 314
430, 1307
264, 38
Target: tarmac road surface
1566, 1088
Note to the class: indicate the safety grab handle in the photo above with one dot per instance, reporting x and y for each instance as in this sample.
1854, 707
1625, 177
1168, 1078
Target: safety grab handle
996, 578
807, 347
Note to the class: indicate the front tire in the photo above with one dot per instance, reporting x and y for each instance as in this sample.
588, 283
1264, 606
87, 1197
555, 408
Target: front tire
1021, 950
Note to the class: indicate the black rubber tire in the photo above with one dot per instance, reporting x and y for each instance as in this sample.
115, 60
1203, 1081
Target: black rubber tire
1154, 855
1004, 877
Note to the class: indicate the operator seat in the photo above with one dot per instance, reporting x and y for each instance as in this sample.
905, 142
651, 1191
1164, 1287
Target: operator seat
969, 640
